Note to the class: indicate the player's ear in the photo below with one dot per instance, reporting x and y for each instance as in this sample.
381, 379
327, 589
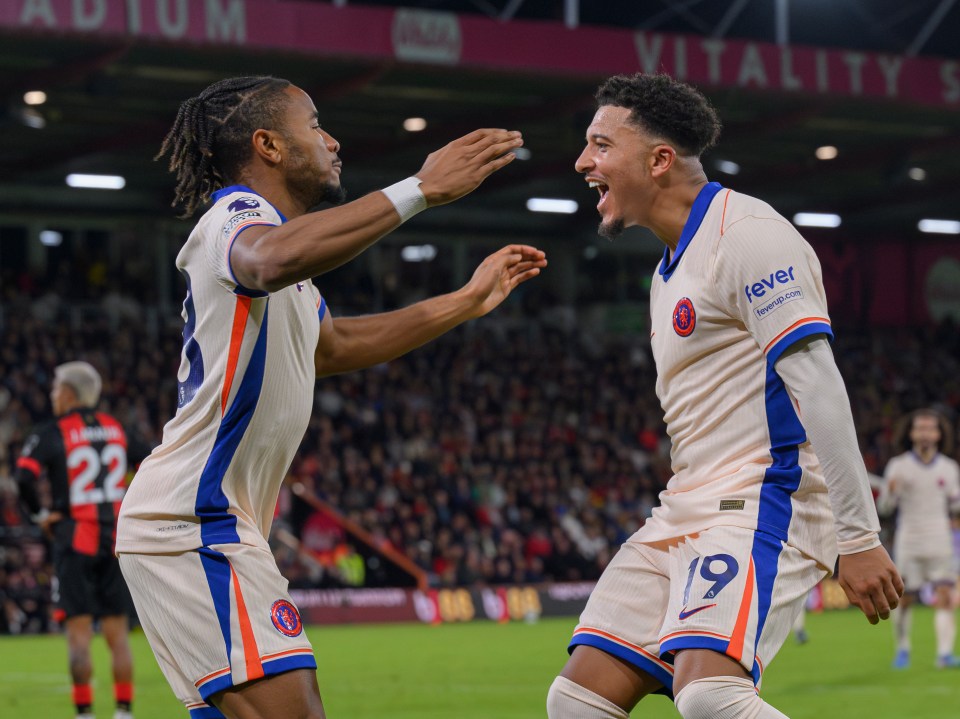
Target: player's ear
268, 145
661, 159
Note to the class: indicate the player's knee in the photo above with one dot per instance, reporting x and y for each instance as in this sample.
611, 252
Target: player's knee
567, 699
722, 698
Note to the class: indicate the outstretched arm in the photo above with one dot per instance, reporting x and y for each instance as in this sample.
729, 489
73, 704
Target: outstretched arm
352, 343
269, 258
866, 573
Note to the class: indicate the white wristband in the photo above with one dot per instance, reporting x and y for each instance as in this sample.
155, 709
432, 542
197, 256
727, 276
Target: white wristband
406, 197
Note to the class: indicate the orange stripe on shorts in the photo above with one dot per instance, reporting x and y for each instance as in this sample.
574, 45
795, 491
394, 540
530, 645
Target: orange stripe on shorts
735, 647
251, 655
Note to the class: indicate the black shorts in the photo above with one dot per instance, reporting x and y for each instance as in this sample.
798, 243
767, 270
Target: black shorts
89, 585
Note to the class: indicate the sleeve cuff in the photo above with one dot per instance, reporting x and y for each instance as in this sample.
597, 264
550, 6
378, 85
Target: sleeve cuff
30, 464
855, 546
804, 328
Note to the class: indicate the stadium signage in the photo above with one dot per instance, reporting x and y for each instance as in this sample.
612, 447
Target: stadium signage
380, 33
526, 603
766, 66
213, 20
421, 36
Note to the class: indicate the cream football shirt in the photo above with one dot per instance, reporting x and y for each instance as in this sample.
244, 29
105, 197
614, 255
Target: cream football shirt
741, 288
925, 492
245, 394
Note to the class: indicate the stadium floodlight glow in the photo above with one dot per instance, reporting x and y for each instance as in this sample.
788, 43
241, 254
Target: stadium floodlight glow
939, 227
827, 152
917, 173
418, 253
51, 238
414, 124
551, 204
96, 182
816, 219
728, 167
35, 97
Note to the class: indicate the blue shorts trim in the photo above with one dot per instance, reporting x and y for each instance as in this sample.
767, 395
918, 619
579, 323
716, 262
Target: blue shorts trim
270, 668
628, 655
206, 713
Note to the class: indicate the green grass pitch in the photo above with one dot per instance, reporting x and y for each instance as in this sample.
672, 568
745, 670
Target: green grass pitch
484, 670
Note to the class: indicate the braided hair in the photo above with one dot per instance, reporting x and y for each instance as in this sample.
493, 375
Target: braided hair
209, 142
666, 107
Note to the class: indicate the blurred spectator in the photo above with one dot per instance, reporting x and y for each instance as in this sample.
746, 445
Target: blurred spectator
500, 453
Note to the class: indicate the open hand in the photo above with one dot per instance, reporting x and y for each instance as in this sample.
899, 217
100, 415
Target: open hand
500, 273
459, 167
871, 582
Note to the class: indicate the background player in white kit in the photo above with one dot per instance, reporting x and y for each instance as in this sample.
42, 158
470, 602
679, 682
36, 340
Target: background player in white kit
193, 526
701, 598
924, 485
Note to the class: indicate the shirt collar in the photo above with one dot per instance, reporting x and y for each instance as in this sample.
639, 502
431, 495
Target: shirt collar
700, 206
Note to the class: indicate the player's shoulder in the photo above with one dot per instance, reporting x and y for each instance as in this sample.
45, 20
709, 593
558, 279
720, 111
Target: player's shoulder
950, 462
42, 437
898, 460
738, 207
239, 201
105, 419
233, 208
47, 429
902, 457
751, 227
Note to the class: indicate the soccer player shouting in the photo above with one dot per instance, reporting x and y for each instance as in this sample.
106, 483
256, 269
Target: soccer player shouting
701, 598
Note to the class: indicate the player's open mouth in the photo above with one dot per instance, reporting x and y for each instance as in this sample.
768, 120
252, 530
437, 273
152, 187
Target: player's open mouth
601, 188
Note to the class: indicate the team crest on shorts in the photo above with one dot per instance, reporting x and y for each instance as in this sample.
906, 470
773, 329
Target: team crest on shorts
286, 618
684, 317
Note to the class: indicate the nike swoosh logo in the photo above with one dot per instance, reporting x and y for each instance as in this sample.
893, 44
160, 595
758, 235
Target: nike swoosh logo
685, 614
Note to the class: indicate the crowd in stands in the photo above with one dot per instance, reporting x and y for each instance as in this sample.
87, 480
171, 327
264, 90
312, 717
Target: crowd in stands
512, 450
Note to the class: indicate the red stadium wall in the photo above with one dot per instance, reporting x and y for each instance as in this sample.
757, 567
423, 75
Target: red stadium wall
890, 283
442, 38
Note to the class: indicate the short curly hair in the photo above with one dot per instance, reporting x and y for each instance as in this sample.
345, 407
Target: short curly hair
665, 107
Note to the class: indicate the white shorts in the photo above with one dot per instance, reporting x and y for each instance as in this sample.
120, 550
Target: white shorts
216, 617
728, 589
917, 570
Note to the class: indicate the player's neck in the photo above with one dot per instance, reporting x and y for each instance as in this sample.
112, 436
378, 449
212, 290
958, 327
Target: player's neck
672, 210
273, 191
925, 454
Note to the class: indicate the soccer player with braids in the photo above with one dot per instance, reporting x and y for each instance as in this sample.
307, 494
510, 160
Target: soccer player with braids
257, 333
769, 485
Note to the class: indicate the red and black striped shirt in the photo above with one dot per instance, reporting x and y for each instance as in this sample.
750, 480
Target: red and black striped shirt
86, 456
